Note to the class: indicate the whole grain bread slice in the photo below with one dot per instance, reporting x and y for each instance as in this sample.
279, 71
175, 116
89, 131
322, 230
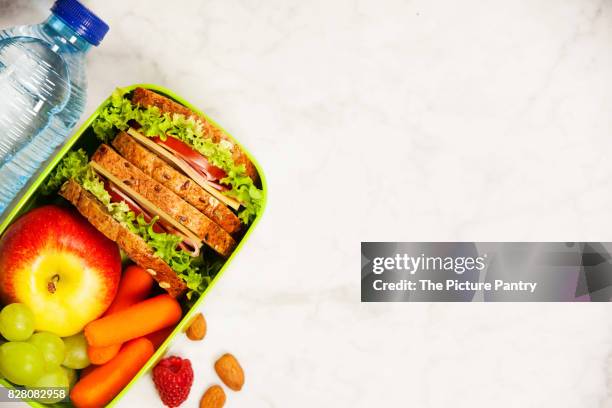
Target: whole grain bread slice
166, 200
132, 244
146, 98
155, 167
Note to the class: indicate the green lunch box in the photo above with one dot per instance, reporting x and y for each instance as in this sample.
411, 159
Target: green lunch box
84, 137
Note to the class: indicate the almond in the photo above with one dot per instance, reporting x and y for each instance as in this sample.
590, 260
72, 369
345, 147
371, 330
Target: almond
214, 397
229, 371
197, 328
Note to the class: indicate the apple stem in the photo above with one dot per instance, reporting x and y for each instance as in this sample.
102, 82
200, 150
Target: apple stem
51, 285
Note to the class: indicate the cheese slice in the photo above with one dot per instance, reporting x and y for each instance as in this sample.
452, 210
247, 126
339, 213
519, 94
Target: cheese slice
184, 167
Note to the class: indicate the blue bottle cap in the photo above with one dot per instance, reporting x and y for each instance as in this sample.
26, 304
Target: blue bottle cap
81, 19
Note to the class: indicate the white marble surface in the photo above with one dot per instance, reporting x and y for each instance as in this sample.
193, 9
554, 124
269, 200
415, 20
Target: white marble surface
389, 120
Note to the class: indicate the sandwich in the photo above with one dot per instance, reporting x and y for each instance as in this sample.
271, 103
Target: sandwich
166, 184
188, 141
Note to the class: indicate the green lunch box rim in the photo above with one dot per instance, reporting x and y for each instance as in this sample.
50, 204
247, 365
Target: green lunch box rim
181, 326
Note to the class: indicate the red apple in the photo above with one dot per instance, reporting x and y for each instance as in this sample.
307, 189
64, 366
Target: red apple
58, 264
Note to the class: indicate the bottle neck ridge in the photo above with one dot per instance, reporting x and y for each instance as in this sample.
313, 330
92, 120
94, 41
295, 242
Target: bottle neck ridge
63, 36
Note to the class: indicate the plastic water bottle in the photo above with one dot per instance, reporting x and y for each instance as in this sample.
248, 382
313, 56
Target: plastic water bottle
42, 89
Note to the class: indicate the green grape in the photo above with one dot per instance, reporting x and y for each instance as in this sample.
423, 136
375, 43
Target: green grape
56, 379
21, 363
52, 347
16, 322
76, 352
72, 376
2, 376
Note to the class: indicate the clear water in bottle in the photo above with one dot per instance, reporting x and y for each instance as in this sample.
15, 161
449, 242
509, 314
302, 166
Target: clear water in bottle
42, 89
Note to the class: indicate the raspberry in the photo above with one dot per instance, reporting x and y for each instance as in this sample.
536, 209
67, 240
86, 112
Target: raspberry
173, 377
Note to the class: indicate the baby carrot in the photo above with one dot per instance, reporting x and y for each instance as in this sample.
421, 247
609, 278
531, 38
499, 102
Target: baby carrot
135, 285
101, 355
103, 383
137, 320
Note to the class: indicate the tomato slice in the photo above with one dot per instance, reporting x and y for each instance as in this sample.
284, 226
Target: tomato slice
195, 159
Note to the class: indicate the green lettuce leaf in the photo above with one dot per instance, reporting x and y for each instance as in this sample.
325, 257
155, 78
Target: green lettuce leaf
73, 165
120, 111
